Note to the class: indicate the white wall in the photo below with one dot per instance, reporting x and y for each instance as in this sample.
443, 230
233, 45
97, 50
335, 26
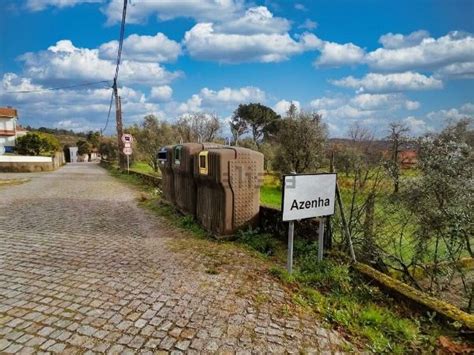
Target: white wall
7, 141
7, 124
24, 159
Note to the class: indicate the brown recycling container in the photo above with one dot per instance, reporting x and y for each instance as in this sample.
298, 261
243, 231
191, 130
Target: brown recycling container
228, 188
184, 182
165, 157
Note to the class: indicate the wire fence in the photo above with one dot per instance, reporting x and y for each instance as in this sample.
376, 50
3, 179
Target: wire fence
392, 235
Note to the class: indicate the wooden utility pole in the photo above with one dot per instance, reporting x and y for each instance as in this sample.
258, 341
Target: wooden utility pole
118, 119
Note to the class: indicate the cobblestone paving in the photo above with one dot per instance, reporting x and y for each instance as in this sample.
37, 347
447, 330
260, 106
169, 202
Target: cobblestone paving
83, 269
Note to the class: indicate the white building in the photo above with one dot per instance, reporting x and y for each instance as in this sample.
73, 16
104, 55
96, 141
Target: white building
8, 128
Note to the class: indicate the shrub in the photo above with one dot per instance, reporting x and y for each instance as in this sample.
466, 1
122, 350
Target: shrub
35, 143
263, 243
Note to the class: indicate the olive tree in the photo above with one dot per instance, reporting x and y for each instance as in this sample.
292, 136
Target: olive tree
397, 137
441, 199
302, 141
198, 127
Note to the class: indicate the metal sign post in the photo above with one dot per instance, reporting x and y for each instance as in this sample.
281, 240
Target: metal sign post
291, 232
322, 220
307, 196
128, 164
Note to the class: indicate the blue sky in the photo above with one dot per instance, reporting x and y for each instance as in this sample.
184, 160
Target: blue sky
370, 62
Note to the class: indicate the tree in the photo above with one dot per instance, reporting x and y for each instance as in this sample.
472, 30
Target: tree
198, 127
150, 136
93, 138
398, 137
441, 198
238, 127
302, 141
261, 120
84, 147
35, 143
108, 148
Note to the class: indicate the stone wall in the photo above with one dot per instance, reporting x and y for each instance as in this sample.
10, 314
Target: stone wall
30, 164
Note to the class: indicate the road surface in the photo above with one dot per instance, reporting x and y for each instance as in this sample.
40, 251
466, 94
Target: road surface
84, 269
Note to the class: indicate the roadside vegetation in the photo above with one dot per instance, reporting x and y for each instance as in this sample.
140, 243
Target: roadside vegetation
407, 204
332, 289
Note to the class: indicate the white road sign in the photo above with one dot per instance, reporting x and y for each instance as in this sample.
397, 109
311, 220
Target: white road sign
127, 151
127, 138
127, 145
308, 196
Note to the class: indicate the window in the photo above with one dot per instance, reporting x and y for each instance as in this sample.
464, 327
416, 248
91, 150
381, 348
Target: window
162, 155
177, 155
203, 166
202, 161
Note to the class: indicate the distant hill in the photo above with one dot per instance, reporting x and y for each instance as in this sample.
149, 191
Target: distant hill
65, 137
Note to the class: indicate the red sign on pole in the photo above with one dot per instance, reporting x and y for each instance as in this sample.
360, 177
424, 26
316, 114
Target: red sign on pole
127, 138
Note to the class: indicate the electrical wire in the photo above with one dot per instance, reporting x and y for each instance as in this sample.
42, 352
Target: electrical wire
121, 38
108, 115
119, 59
57, 88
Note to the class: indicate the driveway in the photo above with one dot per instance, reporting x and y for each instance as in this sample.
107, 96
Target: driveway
84, 269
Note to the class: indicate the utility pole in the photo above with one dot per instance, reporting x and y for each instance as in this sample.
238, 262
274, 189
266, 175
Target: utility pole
118, 119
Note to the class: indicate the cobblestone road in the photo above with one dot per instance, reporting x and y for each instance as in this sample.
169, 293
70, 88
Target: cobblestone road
83, 269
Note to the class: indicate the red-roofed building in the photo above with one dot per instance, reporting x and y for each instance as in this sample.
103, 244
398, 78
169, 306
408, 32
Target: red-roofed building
8, 128
408, 159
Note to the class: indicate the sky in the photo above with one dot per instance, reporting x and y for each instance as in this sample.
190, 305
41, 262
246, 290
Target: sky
369, 62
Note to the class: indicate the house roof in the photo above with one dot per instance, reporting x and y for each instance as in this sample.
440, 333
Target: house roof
8, 112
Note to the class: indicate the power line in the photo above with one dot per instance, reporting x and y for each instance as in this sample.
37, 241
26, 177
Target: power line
108, 115
118, 101
121, 38
57, 88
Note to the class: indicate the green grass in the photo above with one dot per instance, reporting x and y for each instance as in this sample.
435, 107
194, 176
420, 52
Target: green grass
143, 167
343, 300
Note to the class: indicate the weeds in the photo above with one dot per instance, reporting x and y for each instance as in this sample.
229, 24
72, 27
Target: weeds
263, 243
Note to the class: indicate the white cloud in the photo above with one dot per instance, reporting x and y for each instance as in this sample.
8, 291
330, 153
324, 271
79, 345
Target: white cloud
309, 25
374, 82
452, 114
202, 10
65, 62
326, 102
216, 100
436, 120
335, 54
161, 93
300, 7
282, 106
193, 104
457, 71
255, 20
430, 53
158, 48
203, 42
373, 111
383, 101
417, 126
232, 96
82, 109
39, 5
395, 41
